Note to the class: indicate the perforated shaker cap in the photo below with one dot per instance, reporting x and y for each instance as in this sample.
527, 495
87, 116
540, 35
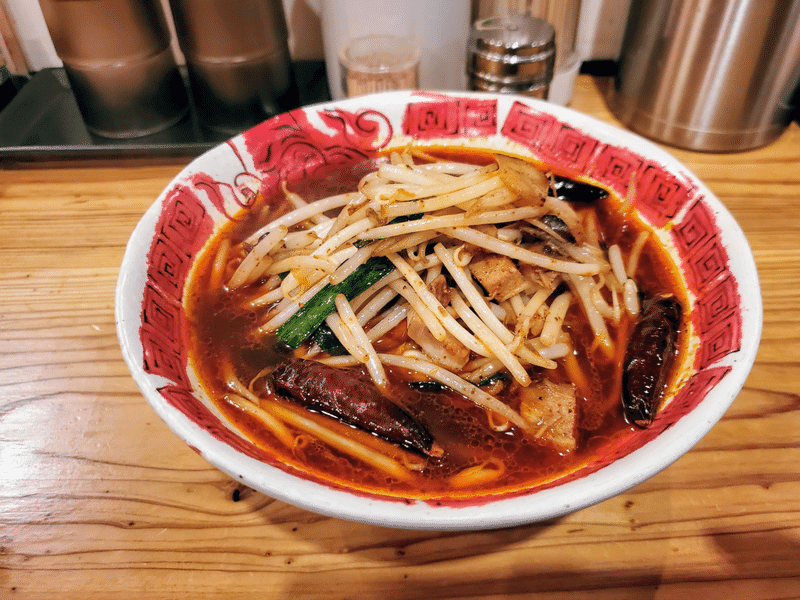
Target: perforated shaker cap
511, 54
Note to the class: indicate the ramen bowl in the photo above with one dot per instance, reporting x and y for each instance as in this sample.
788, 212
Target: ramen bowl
707, 246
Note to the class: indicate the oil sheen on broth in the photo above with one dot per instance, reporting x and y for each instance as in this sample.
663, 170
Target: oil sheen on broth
221, 331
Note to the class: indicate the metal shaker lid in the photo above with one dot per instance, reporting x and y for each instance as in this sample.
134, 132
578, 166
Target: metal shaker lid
514, 49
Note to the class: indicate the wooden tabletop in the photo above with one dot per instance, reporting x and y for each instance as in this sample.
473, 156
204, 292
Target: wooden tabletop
99, 499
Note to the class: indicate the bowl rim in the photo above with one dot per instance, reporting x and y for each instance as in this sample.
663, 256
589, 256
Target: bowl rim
536, 504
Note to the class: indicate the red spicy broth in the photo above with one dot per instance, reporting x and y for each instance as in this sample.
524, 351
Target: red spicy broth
221, 327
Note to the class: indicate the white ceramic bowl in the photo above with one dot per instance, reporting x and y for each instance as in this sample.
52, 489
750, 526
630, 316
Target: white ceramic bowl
705, 241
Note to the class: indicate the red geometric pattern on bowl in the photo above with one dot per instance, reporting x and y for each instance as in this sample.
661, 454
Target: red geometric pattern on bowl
295, 144
447, 117
719, 320
665, 195
162, 335
291, 146
554, 142
698, 240
182, 229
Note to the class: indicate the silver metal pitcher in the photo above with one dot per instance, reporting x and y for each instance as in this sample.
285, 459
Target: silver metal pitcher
709, 75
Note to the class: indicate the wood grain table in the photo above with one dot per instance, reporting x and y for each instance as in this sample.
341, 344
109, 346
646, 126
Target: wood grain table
99, 500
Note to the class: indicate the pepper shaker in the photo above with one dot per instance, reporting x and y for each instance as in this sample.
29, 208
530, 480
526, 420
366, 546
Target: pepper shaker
512, 54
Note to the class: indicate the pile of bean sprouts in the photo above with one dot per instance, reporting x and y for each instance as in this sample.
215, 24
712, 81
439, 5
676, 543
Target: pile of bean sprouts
459, 211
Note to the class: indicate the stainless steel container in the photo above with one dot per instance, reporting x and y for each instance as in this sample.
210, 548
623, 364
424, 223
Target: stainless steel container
512, 54
709, 75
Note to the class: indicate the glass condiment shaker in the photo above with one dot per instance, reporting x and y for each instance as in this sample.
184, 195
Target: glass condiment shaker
512, 54
378, 63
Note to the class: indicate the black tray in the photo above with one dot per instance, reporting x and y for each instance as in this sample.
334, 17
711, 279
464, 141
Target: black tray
42, 121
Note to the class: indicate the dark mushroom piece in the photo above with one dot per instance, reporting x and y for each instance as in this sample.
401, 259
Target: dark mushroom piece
577, 191
559, 227
649, 356
350, 396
